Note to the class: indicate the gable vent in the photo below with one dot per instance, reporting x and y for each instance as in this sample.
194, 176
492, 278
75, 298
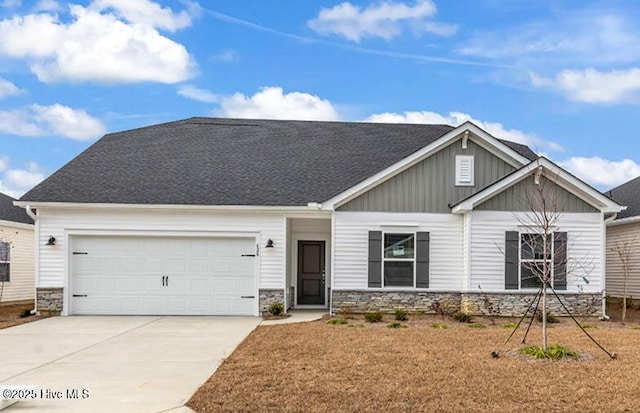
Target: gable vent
464, 170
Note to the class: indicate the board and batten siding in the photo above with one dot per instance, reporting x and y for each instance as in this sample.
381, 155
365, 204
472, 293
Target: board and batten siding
617, 236
514, 198
351, 244
56, 222
584, 249
429, 186
21, 285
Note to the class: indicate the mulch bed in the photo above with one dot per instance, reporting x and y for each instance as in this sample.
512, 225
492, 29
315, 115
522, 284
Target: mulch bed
316, 367
10, 315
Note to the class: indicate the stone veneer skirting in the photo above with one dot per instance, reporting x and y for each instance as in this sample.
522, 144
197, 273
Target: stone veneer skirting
270, 296
49, 301
509, 304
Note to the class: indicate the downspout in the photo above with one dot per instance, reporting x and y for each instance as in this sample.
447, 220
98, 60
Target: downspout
605, 317
29, 212
34, 217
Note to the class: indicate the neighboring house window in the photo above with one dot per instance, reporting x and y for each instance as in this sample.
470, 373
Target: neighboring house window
5, 257
464, 170
525, 260
399, 260
533, 259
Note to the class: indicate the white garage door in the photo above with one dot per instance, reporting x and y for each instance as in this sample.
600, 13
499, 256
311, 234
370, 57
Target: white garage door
162, 275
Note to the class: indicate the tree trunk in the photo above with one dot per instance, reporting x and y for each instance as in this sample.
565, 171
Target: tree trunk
624, 300
544, 317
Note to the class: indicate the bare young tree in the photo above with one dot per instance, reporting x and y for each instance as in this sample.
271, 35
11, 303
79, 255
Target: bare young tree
624, 251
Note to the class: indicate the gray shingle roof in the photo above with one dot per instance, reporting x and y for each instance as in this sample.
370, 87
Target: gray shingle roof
9, 212
627, 194
210, 161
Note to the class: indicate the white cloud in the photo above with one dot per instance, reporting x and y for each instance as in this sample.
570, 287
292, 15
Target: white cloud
456, 118
194, 93
16, 182
11, 4
8, 89
95, 46
602, 173
273, 103
53, 120
385, 19
148, 13
47, 5
226, 56
592, 86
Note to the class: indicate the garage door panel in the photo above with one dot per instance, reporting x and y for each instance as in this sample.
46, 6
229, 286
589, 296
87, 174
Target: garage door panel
124, 275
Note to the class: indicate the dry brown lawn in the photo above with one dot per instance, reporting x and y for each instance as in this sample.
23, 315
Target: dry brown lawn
316, 367
10, 315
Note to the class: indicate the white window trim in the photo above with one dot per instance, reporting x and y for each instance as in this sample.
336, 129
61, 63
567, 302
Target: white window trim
520, 260
384, 259
458, 165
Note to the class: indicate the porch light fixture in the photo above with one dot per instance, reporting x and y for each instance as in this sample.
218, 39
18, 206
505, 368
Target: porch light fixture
269, 243
52, 240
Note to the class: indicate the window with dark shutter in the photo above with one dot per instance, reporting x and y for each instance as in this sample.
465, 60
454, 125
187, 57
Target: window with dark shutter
375, 259
5, 258
511, 264
422, 260
560, 260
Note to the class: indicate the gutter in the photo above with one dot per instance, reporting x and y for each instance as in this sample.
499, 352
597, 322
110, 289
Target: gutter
30, 212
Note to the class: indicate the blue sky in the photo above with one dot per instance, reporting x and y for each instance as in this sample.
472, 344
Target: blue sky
560, 76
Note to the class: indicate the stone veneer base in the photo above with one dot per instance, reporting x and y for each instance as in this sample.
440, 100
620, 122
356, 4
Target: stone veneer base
49, 301
507, 304
270, 296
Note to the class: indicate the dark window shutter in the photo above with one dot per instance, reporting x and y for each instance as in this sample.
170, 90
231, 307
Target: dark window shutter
560, 260
375, 259
4, 272
511, 245
422, 260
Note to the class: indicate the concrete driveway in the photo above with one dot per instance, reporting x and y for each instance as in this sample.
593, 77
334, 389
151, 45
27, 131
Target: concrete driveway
123, 364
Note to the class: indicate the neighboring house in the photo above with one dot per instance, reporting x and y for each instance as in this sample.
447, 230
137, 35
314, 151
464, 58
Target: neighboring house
16, 253
226, 216
623, 235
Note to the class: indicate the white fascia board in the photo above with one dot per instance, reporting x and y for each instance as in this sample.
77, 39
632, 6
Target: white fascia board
567, 181
623, 221
14, 224
479, 135
256, 208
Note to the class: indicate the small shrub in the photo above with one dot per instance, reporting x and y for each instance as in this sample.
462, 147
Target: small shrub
589, 326
345, 312
401, 315
338, 320
357, 325
439, 326
373, 316
554, 352
476, 325
461, 317
25, 313
396, 324
635, 328
276, 308
437, 307
551, 319
508, 325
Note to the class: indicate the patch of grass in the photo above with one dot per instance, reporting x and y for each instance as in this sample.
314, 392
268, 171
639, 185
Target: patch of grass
439, 326
401, 315
508, 325
345, 312
356, 325
276, 308
554, 352
373, 316
476, 325
635, 328
589, 326
338, 320
25, 313
462, 317
396, 324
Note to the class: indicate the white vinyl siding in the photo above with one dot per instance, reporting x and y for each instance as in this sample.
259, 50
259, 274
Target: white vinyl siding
618, 235
351, 244
60, 222
21, 284
584, 247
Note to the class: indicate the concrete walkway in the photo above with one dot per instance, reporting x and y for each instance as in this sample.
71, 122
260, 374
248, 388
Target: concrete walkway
126, 364
298, 316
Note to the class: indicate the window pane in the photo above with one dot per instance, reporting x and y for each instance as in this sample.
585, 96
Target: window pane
5, 249
4, 272
398, 245
532, 246
398, 274
529, 275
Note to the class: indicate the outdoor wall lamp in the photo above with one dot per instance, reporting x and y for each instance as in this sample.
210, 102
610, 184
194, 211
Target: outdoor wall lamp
269, 243
52, 240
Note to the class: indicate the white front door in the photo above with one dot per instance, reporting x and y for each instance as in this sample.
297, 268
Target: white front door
163, 275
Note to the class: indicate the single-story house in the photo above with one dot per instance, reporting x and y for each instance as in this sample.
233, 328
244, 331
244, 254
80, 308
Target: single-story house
17, 253
227, 216
623, 242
